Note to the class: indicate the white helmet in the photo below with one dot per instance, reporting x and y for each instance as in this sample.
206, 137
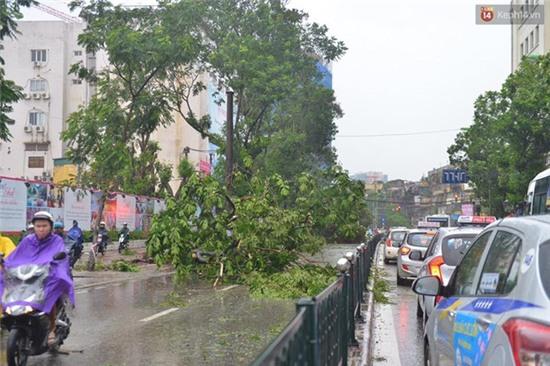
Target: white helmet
42, 215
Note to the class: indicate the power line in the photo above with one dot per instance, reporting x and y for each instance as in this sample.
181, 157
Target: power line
403, 133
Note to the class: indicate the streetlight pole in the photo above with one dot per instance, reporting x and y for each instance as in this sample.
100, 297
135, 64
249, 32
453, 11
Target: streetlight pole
229, 142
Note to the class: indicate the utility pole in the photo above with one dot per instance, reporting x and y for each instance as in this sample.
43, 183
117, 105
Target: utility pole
229, 142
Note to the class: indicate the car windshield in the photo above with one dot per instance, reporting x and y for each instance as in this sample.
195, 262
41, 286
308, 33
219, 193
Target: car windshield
398, 235
544, 265
420, 239
454, 247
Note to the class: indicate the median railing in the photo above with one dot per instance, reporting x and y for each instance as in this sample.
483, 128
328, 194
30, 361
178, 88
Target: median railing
324, 326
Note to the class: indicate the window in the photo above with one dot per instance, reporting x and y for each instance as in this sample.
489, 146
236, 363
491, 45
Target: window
36, 162
36, 146
532, 39
77, 53
466, 272
37, 118
522, 50
540, 196
500, 272
454, 247
527, 45
537, 35
38, 85
38, 56
420, 239
544, 265
77, 81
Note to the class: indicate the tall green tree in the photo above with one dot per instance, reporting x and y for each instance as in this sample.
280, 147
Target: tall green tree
10, 93
506, 145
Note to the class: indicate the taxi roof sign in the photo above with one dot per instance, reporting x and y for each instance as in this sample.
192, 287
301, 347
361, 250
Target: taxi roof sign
428, 224
476, 220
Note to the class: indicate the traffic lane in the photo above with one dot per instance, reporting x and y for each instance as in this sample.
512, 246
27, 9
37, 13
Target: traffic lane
408, 327
144, 322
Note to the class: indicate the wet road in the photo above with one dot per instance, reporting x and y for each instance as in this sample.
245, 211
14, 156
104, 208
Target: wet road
403, 342
148, 322
142, 322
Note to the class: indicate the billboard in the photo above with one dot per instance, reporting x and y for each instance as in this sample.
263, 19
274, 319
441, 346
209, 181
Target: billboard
13, 205
454, 176
78, 206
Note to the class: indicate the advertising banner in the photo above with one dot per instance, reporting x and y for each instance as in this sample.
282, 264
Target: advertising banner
467, 209
37, 195
13, 205
125, 211
78, 206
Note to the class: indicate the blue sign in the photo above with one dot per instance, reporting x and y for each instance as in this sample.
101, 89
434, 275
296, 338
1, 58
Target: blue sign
454, 176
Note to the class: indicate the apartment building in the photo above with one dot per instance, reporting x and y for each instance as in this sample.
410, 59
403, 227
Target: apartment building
528, 38
39, 60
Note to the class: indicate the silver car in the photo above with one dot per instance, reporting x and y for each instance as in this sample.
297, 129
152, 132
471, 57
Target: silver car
409, 258
496, 307
442, 256
392, 243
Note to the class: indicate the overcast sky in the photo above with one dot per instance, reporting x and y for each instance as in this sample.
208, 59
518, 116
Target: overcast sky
411, 66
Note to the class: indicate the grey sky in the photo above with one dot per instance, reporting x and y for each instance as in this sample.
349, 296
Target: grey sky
411, 66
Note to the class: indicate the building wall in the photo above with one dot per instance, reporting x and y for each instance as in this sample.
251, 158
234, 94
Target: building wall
62, 97
65, 94
521, 35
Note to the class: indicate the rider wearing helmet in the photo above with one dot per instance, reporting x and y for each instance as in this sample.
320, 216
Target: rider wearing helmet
40, 249
58, 229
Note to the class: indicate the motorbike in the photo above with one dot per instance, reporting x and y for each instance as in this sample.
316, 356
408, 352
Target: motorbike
123, 241
97, 248
28, 328
74, 249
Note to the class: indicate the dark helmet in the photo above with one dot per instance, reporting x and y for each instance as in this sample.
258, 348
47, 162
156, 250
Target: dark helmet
75, 223
43, 215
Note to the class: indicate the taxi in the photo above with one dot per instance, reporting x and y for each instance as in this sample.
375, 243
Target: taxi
412, 250
495, 309
444, 253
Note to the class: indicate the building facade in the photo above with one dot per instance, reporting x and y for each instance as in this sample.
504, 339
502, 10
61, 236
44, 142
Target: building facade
39, 60
530, 39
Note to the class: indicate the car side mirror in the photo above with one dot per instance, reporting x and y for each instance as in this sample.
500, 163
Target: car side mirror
60, 256
427, 286
416, 255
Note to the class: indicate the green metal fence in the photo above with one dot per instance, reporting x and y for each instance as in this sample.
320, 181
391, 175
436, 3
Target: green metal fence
324, 326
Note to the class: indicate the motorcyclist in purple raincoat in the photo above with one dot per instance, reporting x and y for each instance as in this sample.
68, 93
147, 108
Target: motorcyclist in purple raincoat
40, 248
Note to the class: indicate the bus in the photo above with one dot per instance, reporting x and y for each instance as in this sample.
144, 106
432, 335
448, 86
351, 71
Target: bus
538, 194
443, 220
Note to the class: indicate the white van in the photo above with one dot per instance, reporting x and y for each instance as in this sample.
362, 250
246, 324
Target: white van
538, 194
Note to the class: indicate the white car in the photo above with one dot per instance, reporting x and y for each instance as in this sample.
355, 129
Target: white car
409, 257
495, 310
442, 256
393, 242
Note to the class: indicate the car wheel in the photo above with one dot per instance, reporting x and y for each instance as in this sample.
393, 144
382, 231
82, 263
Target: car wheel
419, 312
401, 281
427, 360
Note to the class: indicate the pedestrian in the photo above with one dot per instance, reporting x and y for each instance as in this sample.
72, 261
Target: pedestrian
6, 245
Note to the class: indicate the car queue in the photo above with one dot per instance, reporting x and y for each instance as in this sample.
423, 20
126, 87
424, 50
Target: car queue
483, 289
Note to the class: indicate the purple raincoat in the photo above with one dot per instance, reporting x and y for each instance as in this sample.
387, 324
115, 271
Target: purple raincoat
41, 252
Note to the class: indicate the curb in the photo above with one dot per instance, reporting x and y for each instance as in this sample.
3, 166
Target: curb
368, 346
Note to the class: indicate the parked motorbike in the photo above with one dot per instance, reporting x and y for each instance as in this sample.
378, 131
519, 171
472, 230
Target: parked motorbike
28, 328
123, 241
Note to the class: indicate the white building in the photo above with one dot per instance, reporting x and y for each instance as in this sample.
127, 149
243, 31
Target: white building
530, 39
39, 60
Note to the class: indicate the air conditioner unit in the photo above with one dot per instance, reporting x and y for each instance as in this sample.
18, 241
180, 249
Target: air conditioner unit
27, 96
36, 95
40, 129
45, 96
28, 129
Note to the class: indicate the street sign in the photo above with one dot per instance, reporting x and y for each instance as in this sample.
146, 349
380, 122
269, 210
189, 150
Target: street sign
454, 176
